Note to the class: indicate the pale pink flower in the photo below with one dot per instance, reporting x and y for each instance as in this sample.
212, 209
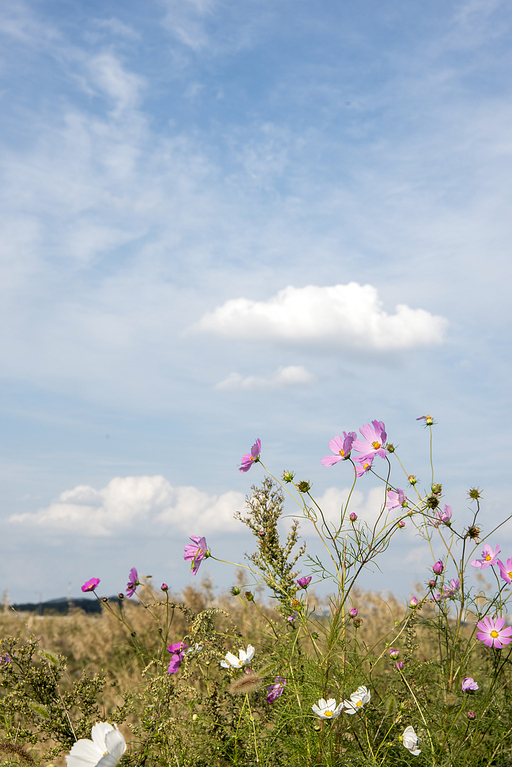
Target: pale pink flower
374, 439
492, 632
253, 457
505, 570
365, 464
341, 447
396, 499
196, 551
469, 685
489, 557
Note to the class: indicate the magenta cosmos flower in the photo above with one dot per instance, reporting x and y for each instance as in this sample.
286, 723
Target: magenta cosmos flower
396, 499
341, 447
253, 457
489, 557
196, 551
91, 584
505, 570
276, 690
492, 632
178, 651
374, 440
304, 582
133, 582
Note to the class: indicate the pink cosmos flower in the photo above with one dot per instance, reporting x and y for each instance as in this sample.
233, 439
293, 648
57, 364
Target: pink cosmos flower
374, 440
448, 591
178, 651
133, 582
492, 632
91, 584
427, 418
469, 685
505, 571
304, 582
196, 553
396, 499
438, 567
453, 588
365, 464
341, 448
413, 602
442, 517
489, 557
276, 690
253, 457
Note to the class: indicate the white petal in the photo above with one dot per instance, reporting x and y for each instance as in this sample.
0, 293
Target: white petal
250, 653
84, 752
116, 744
98, 734
232, 660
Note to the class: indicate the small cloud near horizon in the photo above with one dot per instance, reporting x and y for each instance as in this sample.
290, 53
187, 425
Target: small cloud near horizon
282, 378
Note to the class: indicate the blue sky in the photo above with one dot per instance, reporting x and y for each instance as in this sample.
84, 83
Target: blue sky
230, 220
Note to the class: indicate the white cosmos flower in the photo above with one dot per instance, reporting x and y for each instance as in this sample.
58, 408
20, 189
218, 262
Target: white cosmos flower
357, 700
327, 709
244, 657
410, 741
104, 750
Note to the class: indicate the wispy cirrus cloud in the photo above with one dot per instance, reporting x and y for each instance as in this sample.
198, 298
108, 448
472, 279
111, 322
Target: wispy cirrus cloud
340, 316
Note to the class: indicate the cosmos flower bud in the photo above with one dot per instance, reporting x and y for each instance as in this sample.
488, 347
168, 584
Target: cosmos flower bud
235, 591
474, 493
399, 665
288, 476
249, 596
164, 587
353, 517
412, 479
353, 612
390, 447
393, 653
358, 622
432, 583
304, 486
471, 715
437, 489
401, 523
438, 567
413, 602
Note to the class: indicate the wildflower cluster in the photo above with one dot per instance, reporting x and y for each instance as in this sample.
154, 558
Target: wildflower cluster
296, 680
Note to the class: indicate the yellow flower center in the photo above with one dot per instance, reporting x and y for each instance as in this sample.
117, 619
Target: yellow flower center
509, 573
376, 445
488, 557
328, 713
359, 703
342, 452
494, 634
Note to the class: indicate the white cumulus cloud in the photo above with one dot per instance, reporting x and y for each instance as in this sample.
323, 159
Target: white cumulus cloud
340, 316
282, 378
127, 501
